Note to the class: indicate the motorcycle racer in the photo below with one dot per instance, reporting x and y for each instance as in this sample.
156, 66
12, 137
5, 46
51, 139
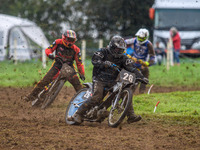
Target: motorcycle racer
105, 74
66, 49
142, 47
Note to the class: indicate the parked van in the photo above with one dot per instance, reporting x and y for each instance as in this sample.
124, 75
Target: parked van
182, 14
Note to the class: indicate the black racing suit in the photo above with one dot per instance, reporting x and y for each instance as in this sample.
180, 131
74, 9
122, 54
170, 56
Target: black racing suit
106, 77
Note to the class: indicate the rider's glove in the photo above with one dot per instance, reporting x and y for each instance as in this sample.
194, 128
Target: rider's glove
51, 56
146, 63
143, 80
111, 65
82, 77
108, 64
140, 61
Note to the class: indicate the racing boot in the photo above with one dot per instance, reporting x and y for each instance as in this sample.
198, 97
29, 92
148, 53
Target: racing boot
77, 118
28, 98
145, 72
79, 115
142, 88
131, 115
133, 118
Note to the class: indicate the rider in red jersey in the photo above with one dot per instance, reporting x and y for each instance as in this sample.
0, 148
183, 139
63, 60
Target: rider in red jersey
66, 49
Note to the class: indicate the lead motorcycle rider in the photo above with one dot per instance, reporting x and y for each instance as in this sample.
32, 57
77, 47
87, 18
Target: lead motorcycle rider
105, 74
68, 51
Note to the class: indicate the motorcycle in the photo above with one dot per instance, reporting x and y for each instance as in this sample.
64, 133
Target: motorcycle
115, 104
46, 97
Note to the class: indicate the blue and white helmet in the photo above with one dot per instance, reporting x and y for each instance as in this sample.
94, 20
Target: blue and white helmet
142, 35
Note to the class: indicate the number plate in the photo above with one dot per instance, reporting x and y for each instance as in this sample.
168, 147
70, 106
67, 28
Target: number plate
87, 94
127, 76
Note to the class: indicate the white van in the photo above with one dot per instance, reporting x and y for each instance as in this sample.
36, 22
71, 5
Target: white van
182, 14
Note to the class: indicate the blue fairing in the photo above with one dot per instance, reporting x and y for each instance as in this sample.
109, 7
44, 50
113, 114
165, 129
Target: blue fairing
78, 101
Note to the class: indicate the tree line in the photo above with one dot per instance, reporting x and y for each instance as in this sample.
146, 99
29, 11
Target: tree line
89, 18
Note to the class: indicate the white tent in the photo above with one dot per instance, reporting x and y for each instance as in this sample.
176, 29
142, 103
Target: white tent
20, 38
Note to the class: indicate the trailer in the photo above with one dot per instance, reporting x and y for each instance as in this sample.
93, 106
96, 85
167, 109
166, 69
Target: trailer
182, 14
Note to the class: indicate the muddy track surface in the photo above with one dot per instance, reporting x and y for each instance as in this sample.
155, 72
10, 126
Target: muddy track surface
23, 127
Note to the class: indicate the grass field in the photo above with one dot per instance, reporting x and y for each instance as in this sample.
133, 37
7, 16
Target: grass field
177, 107
172, 104
29, 73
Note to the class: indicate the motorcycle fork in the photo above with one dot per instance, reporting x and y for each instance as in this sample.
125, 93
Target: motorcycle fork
114, 104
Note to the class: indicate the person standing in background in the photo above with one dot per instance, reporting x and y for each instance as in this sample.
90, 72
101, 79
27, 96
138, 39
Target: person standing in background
176, 44
160, 53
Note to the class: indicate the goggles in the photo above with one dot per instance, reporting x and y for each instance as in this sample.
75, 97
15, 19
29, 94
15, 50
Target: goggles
141, 39
68, 39
119, 50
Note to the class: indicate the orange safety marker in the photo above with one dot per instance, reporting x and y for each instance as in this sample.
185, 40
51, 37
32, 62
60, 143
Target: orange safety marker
156, 106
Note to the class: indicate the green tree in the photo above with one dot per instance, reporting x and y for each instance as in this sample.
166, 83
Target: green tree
89, 18
48, 14
110, 17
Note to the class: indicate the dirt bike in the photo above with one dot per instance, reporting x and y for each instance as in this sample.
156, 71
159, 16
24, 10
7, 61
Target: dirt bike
46, 97
119, 97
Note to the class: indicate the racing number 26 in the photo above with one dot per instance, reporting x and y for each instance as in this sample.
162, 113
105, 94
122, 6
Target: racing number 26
128, 77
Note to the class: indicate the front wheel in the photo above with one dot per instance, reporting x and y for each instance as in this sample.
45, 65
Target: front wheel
76, 101
53, 92
118, 113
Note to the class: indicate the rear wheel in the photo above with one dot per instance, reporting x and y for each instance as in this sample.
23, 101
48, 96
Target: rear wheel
118, 113
53, 92
74, 104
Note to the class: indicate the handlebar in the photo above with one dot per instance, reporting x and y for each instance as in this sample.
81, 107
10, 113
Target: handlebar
117, 68
144, 80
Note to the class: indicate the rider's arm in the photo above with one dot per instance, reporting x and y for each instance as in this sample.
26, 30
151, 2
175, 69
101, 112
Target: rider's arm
78, 60
131, 57
151, 54
51, 48
97, 59
129, 41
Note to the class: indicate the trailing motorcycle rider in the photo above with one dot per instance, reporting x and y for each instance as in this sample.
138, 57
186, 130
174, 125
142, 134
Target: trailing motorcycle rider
105, 74
68, 52
141, 48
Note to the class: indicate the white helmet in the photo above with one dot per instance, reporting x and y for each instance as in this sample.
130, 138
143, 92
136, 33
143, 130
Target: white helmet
142, 35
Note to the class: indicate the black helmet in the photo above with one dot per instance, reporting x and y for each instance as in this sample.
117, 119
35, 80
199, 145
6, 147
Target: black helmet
117, 46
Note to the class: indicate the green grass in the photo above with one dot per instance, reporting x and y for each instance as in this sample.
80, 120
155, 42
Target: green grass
176, 106
185, 75
29, 73
179, 106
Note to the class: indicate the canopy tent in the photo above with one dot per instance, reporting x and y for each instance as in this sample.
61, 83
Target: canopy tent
20, 38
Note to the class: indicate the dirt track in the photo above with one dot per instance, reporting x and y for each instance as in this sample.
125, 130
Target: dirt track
22, 127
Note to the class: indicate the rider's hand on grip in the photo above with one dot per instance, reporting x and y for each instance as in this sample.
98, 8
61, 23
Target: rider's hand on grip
146, 64
82, 77
51, 56
111, 65
145, 80
140, 61
108, 64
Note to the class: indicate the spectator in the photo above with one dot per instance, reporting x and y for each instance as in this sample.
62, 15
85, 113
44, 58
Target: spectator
176, 44
160, 53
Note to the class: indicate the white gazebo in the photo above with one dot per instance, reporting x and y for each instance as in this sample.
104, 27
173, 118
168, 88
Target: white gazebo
20, 38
